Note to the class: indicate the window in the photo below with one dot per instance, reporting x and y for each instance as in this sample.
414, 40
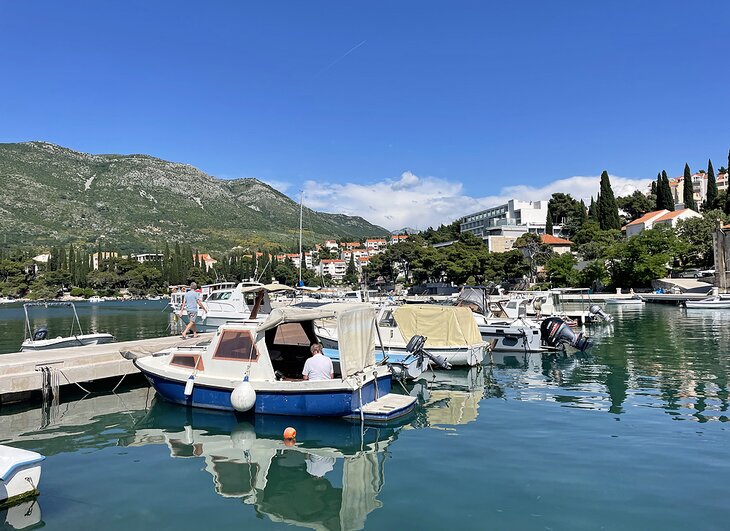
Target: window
188, 360
237, 345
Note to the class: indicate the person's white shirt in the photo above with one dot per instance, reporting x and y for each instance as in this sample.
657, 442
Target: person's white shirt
318, 367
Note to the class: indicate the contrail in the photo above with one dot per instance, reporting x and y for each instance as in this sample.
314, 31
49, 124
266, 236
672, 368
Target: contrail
348, 52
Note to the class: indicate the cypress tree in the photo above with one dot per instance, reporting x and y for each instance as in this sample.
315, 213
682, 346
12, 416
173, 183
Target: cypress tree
653, 187
711, 187
607, 208
659, 187
582, 214
593, 209
548, 221
669, 200
688, 196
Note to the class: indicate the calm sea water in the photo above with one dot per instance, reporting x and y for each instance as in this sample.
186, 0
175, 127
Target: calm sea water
632, 435
125, 320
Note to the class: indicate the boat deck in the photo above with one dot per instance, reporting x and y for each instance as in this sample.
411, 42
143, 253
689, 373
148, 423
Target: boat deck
22, 373
386, 408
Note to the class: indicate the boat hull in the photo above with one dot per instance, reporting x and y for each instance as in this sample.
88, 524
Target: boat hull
713, 305
21, 474
344, 402
66, 342
512, 339
467, 356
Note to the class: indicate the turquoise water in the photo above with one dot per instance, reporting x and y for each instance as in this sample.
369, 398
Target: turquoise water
632, 435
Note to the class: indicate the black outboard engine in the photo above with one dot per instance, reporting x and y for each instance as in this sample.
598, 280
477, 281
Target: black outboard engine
595, 309
554, 331
415, 347
39, 334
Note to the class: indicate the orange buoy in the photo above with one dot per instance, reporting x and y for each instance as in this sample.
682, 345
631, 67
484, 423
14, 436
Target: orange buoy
290, 433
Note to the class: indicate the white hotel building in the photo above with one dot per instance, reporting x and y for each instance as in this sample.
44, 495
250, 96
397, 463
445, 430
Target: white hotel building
501, 225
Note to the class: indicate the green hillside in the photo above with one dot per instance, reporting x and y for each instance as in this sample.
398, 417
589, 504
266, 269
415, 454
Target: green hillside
53, 195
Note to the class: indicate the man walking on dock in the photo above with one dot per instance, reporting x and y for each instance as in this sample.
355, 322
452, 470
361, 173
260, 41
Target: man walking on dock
192, 302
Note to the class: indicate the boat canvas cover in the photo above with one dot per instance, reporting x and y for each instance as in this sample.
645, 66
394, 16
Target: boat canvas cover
443, 326
474, 295
271, 288
355, 325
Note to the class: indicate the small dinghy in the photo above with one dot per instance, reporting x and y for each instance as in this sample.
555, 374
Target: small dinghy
20, 473
38, 339
626, 301
711, 303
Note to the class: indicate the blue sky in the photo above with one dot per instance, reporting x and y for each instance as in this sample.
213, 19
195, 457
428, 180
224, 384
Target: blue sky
439, 106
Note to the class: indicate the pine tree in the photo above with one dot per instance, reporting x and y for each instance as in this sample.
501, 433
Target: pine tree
549, 221
711, 187
607, 208
688, 195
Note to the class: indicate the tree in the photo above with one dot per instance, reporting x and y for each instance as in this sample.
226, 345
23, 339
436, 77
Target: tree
697, 233
635, 205
653, 187
688, 189
711, 188
593, 210
607, 208
351, 272
638, 260
549, 220
560, 270
665, 193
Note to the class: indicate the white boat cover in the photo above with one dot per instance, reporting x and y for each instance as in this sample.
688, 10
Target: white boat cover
444, 326
356, 340
13, 458
271, 288
355, 325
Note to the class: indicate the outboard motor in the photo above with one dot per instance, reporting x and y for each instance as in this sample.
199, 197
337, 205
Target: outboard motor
595, 309
415, 347
554, 331
39, 334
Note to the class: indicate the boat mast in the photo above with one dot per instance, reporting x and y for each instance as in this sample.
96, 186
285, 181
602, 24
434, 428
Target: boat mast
301, 208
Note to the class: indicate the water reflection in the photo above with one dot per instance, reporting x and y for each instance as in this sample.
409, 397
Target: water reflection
449, 398
24, 515
329, 481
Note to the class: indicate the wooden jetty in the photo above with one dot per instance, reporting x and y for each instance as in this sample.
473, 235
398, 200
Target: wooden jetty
23, 373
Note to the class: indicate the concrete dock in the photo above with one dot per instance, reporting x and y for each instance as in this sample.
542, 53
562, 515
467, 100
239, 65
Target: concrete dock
21, 373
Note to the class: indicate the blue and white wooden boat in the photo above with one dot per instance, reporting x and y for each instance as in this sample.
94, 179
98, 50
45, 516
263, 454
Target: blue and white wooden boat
20, 473
257, 366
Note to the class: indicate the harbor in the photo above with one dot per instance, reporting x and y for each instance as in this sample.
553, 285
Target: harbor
644, 410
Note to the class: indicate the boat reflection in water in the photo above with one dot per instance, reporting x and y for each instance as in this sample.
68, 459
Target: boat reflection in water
449, 398
331, 480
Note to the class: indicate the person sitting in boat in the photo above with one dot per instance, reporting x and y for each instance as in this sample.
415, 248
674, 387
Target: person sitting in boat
192, 302
319, 366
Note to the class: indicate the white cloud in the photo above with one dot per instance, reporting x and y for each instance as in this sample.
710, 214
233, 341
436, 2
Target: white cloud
420, 202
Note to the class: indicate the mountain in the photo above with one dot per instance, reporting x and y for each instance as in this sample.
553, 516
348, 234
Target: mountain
53, 195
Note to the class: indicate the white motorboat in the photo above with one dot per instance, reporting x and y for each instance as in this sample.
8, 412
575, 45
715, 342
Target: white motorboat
257, 366
20, 474
511, 334
711, 303
95, 299
235, 304
38, 339
627, 301
451, 333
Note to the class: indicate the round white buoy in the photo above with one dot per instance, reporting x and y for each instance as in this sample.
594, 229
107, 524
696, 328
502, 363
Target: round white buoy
243, 396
